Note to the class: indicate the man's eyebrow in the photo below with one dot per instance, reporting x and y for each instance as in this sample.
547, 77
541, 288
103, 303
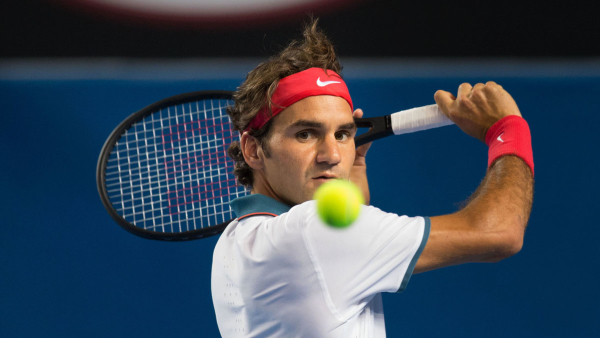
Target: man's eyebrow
306, 124
316, 125
349, 125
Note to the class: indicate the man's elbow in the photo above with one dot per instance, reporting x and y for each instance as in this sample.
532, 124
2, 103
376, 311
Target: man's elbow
507, 245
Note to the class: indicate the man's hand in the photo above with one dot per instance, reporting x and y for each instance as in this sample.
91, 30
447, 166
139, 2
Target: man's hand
358, 174
476, 109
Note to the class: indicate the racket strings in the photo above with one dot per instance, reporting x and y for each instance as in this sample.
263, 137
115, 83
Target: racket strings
170, 172
150, 156
149, 139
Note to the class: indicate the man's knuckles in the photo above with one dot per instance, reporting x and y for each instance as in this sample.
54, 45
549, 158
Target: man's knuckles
465, 102
478, 87
479, 94
464, 89
492, 87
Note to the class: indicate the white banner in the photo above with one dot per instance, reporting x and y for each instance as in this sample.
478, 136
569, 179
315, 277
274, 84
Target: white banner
207, 8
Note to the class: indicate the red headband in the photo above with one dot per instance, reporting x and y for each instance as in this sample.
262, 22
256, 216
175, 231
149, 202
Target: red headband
310, 82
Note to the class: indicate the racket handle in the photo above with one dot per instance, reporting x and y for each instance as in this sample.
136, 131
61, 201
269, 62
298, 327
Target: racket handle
417, 119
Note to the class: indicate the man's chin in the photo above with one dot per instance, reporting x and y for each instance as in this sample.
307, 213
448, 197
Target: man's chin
316, 183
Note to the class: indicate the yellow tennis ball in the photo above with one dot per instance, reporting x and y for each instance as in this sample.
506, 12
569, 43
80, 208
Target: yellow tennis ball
338, 202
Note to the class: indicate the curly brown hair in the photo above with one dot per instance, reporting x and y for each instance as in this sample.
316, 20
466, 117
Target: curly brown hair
315, 50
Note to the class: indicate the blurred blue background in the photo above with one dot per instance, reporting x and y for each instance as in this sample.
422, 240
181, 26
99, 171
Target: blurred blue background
67, 270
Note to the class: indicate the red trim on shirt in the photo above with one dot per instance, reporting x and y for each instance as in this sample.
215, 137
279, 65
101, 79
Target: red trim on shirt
256, 214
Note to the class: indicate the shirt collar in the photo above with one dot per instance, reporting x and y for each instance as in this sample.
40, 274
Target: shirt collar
257, 203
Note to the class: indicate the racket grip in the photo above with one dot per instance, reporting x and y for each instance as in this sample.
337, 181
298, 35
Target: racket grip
417, 119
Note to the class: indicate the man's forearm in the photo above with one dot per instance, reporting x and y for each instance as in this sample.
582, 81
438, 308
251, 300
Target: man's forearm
502, 203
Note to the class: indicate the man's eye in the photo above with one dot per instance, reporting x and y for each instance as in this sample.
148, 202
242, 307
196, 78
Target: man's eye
342, 136
305, 135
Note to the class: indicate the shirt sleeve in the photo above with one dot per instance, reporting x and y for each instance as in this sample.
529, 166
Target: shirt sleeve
377, 253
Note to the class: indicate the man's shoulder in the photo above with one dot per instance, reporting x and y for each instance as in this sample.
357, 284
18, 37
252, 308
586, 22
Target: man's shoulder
279, 228
304, 216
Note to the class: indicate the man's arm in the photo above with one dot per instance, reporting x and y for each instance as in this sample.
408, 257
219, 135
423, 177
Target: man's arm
492, 225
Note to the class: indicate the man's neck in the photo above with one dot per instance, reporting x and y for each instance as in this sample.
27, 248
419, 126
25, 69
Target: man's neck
261, 186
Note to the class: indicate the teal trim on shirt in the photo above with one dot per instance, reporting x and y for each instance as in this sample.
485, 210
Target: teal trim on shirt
415, 258
257, 203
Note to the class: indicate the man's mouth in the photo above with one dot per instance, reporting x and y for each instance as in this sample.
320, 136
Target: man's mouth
325, 177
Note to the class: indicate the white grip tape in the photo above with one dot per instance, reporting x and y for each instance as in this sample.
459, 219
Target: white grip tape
417, 119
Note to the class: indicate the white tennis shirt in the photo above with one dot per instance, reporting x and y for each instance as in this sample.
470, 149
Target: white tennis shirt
289, 275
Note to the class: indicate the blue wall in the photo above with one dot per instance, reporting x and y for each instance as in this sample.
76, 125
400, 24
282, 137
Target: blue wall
67, 270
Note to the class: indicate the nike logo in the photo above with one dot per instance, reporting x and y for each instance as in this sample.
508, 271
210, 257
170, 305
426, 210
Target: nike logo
500, 138
323, 84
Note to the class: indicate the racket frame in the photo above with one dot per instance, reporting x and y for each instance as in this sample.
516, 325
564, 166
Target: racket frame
109, 146
380, 127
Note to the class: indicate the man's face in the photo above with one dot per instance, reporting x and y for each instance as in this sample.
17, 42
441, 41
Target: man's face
310, 142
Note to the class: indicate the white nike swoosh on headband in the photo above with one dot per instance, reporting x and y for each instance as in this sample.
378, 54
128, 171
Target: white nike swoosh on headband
323, 84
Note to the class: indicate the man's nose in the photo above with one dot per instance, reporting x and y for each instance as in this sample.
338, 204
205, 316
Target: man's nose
329, 151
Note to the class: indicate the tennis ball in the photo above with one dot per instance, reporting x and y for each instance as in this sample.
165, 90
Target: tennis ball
338, 202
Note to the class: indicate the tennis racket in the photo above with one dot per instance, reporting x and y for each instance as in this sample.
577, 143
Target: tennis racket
164, 172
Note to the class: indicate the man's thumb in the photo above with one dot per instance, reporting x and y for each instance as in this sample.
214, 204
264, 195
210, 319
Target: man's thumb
444, 100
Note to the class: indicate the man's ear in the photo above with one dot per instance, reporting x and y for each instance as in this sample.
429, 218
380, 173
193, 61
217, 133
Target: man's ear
250, 149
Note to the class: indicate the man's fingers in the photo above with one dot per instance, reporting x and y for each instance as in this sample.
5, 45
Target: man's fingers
362, 150
444, 100
358, 113
464, 90
478, 86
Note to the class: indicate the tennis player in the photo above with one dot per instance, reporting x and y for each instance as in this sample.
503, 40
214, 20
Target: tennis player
278, 271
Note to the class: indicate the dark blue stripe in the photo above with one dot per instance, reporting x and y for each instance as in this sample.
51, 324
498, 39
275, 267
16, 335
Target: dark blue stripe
256, 203
415, 258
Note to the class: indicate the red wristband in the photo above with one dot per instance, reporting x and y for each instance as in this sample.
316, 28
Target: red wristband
510, 136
